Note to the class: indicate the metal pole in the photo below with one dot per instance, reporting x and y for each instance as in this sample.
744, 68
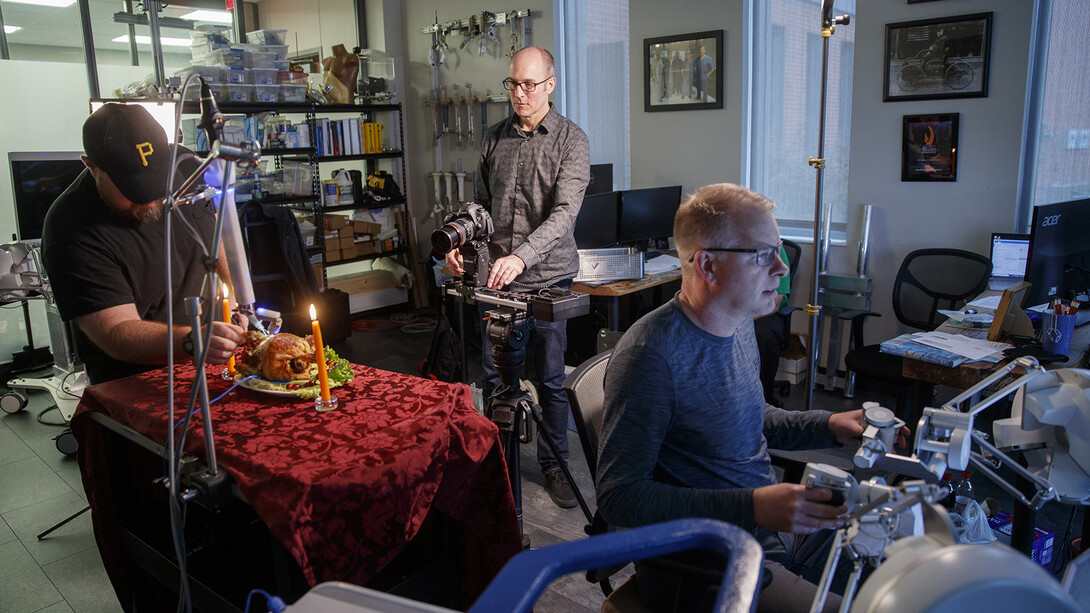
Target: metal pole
813, 310
4, 53
134, 55
89, 48
152, 7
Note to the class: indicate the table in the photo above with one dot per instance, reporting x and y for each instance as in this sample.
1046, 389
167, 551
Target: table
343, 491
618, 289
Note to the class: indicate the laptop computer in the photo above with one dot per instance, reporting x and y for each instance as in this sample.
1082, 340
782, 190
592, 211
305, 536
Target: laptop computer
1008, 252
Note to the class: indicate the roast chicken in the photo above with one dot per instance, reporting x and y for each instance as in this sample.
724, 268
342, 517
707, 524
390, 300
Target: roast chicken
282, 357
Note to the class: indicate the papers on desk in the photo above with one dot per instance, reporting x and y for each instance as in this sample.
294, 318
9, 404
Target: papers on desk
944, 349
987, 302
661, 263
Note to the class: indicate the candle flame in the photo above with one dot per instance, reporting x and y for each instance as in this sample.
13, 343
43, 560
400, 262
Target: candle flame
313, 313
225, 291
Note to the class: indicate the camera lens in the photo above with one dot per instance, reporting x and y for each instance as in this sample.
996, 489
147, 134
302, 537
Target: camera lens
452, 235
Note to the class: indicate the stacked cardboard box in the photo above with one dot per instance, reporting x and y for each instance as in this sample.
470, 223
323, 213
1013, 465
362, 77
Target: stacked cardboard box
337, 234
793, 361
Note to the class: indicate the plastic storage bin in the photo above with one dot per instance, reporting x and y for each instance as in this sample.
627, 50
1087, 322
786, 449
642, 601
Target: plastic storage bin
291, 77
297, 178
293, 93
235, 74
266, 37
262, 76
281, 51
261, 59
211, 74
218, 89
204, 48
228, 57
266, 93
239, 92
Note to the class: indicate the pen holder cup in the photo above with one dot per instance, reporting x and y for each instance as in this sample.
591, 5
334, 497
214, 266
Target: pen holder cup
1056, 333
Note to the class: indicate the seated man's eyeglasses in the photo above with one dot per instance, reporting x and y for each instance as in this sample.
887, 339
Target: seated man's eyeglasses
527, 86
764, 254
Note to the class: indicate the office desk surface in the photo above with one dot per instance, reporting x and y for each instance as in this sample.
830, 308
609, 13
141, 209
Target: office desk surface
343, 490
622, 288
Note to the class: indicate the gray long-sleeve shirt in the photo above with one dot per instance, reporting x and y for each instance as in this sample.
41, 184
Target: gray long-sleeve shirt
686, 430
533, 184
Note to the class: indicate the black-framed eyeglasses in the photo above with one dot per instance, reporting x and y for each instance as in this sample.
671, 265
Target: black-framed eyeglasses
529, 87
764, 254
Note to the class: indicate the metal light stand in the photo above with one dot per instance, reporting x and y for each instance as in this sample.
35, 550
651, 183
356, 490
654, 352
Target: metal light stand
509, 405
828, 26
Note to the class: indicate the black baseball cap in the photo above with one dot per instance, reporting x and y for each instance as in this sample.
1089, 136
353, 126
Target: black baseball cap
131, 147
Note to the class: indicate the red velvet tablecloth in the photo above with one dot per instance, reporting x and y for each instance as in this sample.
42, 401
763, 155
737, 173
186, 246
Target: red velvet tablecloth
343, 490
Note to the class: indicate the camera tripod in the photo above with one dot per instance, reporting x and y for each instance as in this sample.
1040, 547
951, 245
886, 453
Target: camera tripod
509, 406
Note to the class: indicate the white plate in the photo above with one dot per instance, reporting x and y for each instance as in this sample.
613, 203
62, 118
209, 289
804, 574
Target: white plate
251, 384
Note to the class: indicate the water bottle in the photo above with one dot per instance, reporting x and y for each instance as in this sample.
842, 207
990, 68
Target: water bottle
947, 486
963, 493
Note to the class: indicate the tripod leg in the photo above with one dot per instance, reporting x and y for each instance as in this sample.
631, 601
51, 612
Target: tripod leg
535, 412
65, 521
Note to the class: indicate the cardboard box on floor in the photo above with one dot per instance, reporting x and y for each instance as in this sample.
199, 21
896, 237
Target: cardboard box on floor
363, 282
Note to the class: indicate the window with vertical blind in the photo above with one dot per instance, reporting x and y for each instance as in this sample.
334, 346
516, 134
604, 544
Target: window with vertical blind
785, 86
1056, 147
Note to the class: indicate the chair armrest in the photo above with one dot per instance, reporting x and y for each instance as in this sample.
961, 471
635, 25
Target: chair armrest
855, 338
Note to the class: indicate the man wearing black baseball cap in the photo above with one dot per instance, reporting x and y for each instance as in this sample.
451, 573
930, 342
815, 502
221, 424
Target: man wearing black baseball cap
103, 249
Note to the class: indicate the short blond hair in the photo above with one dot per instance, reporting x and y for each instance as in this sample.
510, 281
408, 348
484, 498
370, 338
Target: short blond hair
707, 218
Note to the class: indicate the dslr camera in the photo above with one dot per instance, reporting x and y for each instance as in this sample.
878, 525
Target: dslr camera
468, 230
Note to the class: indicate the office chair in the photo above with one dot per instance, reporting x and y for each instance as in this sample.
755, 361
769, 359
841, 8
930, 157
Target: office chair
774, 331
928, 280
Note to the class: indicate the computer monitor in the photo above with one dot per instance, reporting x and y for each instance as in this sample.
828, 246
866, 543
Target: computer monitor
648, 214
596, 226
37, 179
601, 179
1059, 253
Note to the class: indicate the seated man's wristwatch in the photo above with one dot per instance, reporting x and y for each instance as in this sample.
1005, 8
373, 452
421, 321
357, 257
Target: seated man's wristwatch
187, 343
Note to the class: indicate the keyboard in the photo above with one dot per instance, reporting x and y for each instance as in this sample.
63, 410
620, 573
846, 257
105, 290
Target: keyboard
1002, 283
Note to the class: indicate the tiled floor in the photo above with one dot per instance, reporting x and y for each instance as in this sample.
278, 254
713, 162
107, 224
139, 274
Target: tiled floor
39, 487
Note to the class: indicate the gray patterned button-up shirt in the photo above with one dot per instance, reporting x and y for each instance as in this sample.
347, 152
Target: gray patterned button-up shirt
533, 184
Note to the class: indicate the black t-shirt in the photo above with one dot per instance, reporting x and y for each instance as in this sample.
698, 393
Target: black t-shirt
96, 259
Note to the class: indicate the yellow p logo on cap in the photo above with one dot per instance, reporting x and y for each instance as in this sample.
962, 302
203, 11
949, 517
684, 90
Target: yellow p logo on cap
144, 149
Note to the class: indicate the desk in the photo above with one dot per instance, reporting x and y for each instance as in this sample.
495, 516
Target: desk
343, 491
618, 289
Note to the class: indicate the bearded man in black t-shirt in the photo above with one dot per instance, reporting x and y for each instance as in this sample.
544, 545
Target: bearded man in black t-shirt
103, 247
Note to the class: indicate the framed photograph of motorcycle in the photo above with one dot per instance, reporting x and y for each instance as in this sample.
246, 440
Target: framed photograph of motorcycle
682, 72
929, 148
938, 58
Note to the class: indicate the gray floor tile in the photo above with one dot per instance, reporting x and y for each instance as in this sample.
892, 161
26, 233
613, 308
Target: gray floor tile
12, 448
24, 587
46, 448
83, 582
27, 482
7, 535
60, 607
25, 422
71, 538
74, 479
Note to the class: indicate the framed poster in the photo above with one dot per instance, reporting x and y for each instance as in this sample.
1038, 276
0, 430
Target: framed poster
929, 148
682, 73
938, 58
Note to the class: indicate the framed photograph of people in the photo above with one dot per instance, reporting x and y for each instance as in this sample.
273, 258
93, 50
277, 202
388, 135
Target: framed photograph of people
938, 58
929, 149
682, 73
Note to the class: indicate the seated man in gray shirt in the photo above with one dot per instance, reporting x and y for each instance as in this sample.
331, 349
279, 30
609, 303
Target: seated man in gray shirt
686, 428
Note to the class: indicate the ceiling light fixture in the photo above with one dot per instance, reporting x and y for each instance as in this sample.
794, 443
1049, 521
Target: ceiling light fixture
146, 40
60, 4
11, 29
212, 16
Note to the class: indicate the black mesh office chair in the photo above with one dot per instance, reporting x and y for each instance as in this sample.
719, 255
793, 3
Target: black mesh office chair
928, 280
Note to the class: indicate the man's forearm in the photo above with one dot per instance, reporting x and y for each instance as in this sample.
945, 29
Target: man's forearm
140, 342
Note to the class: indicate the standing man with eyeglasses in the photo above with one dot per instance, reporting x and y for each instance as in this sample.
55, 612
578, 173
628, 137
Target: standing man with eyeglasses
534, 169
686, 430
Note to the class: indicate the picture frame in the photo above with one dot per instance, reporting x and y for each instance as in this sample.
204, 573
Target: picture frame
1009, 318
934, 59
683, 87
929, 146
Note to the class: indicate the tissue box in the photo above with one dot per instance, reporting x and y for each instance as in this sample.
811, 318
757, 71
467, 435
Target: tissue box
1000, 523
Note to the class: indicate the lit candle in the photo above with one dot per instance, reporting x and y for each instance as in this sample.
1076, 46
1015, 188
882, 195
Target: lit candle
319, 354
227, 318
